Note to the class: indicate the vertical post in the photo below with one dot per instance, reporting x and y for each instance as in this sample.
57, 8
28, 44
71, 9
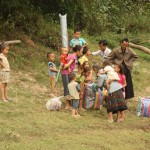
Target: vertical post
64, 33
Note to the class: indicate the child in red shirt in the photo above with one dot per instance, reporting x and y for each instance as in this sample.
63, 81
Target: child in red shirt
64, 56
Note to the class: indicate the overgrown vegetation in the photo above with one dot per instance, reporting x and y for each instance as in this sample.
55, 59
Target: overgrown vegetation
39, 18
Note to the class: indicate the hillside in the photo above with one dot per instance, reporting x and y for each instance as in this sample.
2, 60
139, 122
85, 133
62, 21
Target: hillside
26, 124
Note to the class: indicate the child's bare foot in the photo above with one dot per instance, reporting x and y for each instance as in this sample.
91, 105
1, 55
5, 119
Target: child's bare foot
82, 109
76, 116
68, 108
110, 121
120, 120
5, 101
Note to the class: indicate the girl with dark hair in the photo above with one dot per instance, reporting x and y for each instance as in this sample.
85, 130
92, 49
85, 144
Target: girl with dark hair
122, 81
86, 53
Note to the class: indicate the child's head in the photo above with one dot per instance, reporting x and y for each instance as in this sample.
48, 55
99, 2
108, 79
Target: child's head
118, 68
85, 64
87, 71
106, 63
51, 56
96, 68
103, 44
4, 48
77, 33
86, 50
72, 76
78, 50
64, 50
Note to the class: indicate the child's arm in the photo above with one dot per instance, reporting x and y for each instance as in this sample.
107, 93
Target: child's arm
102, 72
67, 65
125, 82
78, 88
52, 69
1, 63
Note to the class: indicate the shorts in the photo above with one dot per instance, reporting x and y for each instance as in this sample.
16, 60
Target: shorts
5, 76
75, 103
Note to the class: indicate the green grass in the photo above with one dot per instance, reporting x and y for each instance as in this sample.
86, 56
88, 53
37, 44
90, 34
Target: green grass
25, 124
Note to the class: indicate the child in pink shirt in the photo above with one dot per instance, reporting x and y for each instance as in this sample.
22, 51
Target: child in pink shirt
122, 81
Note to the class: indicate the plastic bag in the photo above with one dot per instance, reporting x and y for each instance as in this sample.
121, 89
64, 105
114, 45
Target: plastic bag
54, 103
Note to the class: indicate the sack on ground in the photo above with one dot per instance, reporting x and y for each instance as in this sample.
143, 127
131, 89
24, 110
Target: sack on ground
54, 104
144, 107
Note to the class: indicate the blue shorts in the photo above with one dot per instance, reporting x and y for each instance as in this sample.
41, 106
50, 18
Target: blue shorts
75, 103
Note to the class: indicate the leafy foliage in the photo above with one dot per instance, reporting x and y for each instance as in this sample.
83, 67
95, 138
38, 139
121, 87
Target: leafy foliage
39, 18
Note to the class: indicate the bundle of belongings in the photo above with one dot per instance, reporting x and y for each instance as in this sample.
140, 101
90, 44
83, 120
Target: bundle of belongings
144, 107
54, 103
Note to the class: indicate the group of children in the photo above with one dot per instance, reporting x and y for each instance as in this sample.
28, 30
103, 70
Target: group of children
76, 73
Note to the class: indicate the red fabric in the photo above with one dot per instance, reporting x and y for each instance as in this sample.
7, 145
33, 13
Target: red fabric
63, 59
122, 78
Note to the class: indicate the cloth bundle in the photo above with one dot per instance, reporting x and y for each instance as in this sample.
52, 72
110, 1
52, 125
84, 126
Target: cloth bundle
93, 96
144, 107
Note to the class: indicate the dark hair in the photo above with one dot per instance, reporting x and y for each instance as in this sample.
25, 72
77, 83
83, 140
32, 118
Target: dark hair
121, 68
72, 75
124, 40
96, 66
76, 30
106, 63
83, 65
77, 48
103, 42
85, 69
85, 49
49, 54
3, 46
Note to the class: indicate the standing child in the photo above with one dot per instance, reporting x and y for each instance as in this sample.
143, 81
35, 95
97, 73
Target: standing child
5, 71
65, 79
52, 71
74, 90
77, 40
122, 81
80, 80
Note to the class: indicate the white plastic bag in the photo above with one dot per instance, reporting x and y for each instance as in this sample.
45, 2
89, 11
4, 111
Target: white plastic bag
54, 103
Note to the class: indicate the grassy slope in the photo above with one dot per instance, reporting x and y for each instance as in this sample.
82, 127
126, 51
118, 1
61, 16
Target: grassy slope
25, 124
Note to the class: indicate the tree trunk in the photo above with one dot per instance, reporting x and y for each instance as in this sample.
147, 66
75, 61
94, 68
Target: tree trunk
142, 48
11, 42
